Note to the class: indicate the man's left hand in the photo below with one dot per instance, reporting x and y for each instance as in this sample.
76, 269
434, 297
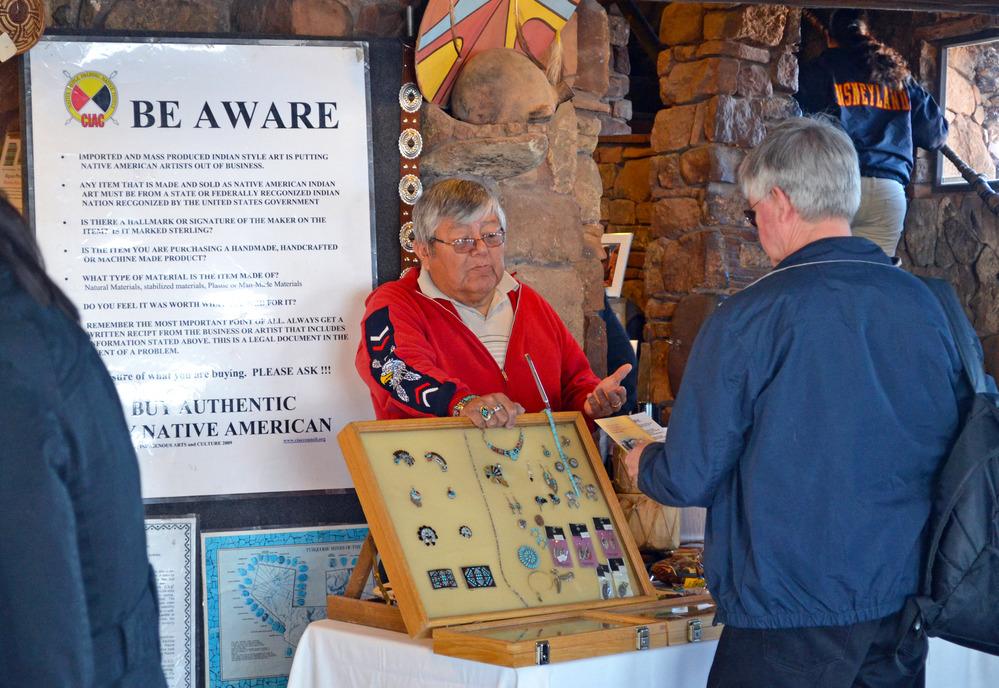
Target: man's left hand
609, 396
632, 460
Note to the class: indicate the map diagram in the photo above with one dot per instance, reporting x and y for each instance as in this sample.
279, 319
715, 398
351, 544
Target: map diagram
262, 589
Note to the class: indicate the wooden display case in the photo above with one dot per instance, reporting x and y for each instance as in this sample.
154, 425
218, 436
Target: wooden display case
548, 639
487, 526
687, 619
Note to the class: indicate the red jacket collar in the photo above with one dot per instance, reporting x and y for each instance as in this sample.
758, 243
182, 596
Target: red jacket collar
411, 275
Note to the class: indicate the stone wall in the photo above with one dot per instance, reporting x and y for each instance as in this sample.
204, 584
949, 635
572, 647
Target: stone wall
339, 18
625, 172
951, 235
727, 71
550, 186
616, 121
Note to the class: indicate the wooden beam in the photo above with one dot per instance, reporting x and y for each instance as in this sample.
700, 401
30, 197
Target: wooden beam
950, 6
958, 27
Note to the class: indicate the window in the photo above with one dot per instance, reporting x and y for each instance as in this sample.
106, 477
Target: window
970, 95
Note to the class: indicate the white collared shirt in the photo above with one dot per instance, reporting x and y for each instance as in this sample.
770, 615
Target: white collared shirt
493, 329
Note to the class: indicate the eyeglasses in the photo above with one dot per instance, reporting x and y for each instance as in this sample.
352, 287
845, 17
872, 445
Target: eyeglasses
751, 213
467, 244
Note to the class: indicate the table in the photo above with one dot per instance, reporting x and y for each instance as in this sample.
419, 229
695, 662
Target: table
333, 653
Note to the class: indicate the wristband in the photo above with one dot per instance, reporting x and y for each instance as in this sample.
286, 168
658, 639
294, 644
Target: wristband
460, 406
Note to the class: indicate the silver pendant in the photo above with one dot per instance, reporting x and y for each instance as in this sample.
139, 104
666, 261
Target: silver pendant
437, 459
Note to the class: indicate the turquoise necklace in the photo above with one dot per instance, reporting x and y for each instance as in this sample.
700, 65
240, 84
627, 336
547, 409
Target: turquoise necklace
512, 454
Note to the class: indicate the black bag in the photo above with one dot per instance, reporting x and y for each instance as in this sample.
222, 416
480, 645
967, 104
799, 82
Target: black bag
959, 599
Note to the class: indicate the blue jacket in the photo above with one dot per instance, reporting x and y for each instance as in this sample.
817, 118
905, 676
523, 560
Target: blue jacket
76, 590
815, 410
884, 123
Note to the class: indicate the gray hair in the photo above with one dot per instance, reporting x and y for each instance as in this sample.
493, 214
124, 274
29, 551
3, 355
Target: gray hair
461, 200
811, 160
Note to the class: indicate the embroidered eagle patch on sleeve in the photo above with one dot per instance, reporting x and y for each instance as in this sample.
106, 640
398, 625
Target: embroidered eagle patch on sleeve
409, 386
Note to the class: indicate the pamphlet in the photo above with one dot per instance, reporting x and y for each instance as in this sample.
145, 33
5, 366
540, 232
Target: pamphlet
630, 431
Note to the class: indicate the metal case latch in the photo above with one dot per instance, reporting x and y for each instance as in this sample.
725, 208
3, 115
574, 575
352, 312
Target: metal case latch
694, 630
642, 638
542, 654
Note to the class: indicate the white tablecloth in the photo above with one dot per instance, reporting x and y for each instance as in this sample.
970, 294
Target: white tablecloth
332, 654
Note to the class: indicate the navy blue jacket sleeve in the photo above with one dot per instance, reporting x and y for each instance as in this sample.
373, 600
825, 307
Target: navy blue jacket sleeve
46, 625
619, 352
929, 126
711, 418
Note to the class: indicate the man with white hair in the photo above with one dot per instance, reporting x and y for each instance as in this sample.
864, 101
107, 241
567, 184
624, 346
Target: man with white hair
450, 338
815, 410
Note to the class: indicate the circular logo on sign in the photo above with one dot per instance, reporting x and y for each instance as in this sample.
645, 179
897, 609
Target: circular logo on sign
91, 98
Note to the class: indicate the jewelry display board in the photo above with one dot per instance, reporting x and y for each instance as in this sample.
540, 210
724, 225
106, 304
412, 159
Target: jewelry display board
479, 525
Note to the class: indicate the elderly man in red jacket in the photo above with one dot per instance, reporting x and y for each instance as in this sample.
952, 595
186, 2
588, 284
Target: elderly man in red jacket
450, 338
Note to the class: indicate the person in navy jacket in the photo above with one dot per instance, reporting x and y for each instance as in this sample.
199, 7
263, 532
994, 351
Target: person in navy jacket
815, 410
77, 593
867, 87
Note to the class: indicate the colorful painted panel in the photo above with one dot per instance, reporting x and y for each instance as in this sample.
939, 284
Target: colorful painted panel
452, 31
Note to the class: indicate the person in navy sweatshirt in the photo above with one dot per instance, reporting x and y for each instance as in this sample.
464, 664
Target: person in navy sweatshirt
867, 87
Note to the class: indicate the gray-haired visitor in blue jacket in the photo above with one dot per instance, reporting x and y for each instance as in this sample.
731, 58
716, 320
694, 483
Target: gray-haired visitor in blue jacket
77, 594
815, 410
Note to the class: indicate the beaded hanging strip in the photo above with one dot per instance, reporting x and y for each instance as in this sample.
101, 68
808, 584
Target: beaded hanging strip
410, 147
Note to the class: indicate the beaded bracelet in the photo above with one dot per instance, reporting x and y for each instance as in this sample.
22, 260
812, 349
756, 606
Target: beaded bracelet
459, 407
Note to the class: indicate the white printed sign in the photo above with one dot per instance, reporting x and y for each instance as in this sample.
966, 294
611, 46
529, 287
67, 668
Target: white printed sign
207, 207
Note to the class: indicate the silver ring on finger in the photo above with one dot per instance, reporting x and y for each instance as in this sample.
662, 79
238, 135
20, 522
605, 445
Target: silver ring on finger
497, 408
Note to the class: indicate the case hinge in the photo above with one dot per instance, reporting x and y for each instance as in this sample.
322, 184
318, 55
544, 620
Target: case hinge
542, 654
642, 638
694, 630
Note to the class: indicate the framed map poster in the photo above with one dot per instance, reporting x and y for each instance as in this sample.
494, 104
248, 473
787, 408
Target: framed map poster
261, 589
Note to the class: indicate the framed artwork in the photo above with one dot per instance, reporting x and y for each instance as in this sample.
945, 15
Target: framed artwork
171, 545
261, 588
617, 245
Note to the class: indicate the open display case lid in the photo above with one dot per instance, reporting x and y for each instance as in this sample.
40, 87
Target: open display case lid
479, 525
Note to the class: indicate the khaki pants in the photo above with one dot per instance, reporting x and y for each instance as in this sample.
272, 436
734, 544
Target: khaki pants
881, 213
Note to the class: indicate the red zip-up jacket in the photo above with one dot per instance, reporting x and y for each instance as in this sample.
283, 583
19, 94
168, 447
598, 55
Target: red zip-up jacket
419, 359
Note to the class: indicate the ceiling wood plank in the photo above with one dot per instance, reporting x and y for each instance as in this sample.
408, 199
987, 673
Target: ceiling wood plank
958, 27
950, 6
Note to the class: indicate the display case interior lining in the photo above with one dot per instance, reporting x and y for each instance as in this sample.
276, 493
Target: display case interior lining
481, 525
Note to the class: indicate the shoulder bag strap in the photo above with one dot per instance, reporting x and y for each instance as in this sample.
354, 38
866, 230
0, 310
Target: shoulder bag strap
962, 332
